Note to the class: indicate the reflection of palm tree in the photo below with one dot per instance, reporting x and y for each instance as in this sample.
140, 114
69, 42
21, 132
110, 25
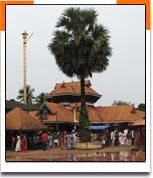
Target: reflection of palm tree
81, 47
30, 97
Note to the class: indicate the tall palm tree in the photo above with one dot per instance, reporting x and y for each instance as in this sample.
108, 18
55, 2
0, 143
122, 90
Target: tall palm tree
40, 99
30, 97
81, 47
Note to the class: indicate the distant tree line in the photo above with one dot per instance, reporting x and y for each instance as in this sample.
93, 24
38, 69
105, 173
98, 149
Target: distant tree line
141, 106
120, 102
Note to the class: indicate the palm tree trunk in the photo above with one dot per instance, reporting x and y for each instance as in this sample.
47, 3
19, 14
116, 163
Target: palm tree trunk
84, 121
83, 96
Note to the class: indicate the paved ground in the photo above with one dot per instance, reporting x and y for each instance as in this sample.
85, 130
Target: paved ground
121, 153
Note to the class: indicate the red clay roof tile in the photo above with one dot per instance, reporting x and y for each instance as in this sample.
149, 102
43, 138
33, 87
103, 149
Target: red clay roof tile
119, 114
106, 114
72, 88
140, 122
17, 119
63, 114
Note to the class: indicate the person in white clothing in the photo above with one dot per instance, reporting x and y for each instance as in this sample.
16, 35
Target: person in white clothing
132, 137
112, 138
18, 144
125, 134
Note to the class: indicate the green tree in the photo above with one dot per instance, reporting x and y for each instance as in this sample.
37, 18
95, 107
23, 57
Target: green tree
39, 99
142, 107
30, 97
81, 47
120, 102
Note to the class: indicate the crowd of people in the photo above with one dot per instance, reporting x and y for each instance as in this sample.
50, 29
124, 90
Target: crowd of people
114, 137
65, 140
60, 139
45, 140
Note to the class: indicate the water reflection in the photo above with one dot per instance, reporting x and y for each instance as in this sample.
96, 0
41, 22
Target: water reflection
98, 157
132, 156
103, 157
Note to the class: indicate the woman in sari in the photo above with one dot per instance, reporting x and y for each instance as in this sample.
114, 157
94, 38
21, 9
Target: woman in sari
24, 143
61, 140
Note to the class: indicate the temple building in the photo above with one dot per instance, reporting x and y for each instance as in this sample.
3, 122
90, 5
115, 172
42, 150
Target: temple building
61, 107
69, 93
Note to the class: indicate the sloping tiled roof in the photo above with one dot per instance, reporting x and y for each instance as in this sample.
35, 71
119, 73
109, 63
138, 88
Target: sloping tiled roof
72, 88
125, 113
93, 115
12, 104
106, 114
140, 122
34, 114
18, 119
62, 114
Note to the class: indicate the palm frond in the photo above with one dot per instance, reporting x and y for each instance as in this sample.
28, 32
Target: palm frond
81, 46
29, 93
